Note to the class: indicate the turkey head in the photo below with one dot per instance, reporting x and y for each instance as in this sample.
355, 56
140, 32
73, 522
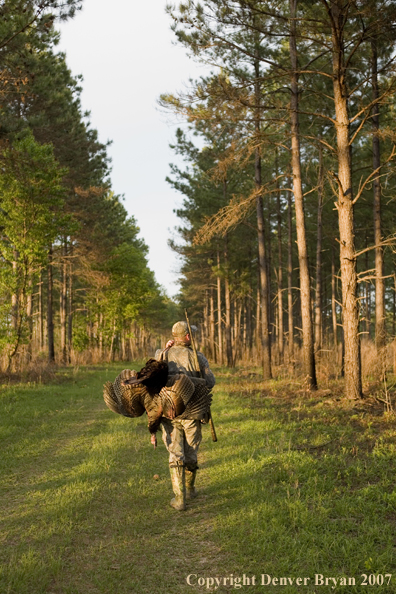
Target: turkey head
153, 376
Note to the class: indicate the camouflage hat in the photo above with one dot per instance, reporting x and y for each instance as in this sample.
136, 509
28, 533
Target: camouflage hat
180, 329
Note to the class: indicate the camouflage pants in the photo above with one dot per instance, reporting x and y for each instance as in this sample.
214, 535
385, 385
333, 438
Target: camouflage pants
182, 439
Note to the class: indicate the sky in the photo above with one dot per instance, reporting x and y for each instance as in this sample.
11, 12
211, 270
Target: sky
126, 53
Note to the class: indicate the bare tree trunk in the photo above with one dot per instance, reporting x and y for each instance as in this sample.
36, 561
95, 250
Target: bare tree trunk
111, 352
101, 336
333, 301
227, 309
290, 280
40, 312
132, 340
63, 306
70, 307
123, 345
212, 326
237, 329
29, 314
280, 271
245, 338
264, 335
350, 308
268, 251
380, 331
318, 289
258, 340
367, 298
305, 296
249, 325
50, 322
15, 296
219, 314
207, 323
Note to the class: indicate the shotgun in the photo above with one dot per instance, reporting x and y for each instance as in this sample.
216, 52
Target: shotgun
198, 369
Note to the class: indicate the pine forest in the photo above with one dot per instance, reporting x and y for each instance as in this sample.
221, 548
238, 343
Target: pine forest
287, 224
74, 279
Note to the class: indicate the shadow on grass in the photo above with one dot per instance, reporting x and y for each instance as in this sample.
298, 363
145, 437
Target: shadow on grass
291, 488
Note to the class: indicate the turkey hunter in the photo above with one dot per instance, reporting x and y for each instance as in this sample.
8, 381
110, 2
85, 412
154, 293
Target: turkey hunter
182, 437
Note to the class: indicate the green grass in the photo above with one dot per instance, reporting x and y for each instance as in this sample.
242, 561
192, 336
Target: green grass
298, 484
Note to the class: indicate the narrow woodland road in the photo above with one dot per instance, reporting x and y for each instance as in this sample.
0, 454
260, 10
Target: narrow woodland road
298, 485
81, 510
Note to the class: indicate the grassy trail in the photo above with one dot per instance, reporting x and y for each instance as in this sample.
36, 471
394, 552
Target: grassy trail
297, 485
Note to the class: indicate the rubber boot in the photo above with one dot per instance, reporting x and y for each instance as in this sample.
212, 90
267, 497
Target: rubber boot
179, 487
191, 491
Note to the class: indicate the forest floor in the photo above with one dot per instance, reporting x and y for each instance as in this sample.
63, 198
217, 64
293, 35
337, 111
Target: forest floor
299, 485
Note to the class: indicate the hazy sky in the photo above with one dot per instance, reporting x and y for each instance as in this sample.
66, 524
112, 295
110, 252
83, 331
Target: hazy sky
125, 53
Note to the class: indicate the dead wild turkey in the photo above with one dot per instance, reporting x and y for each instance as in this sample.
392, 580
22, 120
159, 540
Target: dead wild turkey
179, 396
153, 375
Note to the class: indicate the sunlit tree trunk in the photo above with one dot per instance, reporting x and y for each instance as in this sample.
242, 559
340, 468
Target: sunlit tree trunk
63, 305
350, 308
219, 314
29, 315
70, 306
290, 279
40, 312
257, 333
367, 298
50, 321
380, 332
333, 301
15, 296
264, 335
318, 288
227, 296
212, 325
280, 273
305, 296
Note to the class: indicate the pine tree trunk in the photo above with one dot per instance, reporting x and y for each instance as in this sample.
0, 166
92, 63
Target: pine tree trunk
263, 271
123, 345
258, 341
350, 309
101, 336
290, 279
15, 296
219, 314
132, 340
318, 289
367, 298
205, 334
70, 307
380, 331
40, 312
212, 326
111, 352
280, 274
63, 306
29, 315
249, 326
227, 310
50, 321
333, 302
237, 330
305, 296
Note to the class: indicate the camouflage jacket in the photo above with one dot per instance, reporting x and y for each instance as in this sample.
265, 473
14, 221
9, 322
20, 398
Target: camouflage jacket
180, 359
